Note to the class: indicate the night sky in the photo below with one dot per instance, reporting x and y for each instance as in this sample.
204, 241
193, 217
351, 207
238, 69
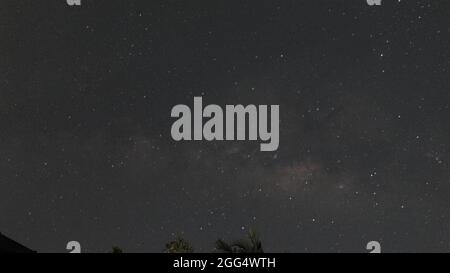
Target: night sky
86, 152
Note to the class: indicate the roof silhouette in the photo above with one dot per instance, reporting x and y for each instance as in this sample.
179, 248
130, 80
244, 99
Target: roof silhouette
8, 245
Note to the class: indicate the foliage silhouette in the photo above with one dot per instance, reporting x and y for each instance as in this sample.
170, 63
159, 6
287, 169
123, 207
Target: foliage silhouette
251, 244
179, 245
116, 250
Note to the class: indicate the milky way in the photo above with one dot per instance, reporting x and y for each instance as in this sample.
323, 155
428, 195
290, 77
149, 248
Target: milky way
86, 150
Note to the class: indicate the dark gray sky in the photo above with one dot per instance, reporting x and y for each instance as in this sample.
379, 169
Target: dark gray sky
85, 146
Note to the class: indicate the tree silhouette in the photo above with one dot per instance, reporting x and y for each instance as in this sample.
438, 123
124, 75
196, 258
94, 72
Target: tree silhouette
251, 244
179, 245
116, 249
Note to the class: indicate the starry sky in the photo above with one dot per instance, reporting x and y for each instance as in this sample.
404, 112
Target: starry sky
86, 151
